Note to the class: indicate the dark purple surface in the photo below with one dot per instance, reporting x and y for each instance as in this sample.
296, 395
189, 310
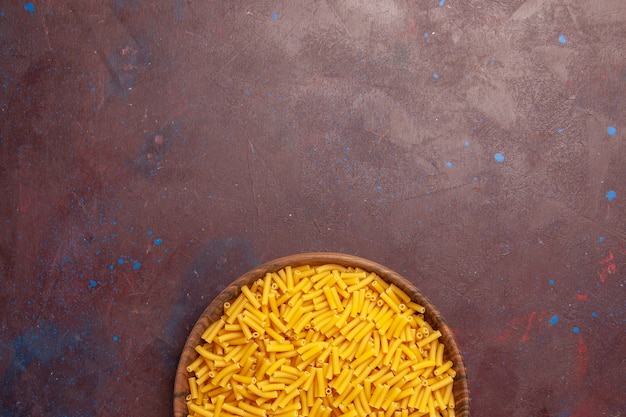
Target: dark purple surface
151, 152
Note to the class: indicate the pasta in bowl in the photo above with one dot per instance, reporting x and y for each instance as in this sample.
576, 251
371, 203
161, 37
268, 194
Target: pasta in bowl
321, 334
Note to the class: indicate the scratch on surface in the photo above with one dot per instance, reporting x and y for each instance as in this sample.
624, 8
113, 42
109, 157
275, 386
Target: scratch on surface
45, 29
188, 32
223, 66
83, 207
573, 17
343, 24
526, 10
608, 231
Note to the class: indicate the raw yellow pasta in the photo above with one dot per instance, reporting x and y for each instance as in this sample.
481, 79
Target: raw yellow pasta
443, 368
323, 341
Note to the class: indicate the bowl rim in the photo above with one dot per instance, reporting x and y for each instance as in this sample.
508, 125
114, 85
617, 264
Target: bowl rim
433, 316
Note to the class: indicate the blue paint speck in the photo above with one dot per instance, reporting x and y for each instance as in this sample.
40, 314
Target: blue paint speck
149, 232
274, 16
499, 157
551, 282
378, 187
425, 34
29, 7
562, 39
449, 164
436, 76
554, 320
560, 130
441, 3
610, 195
158, 241
601, 239
594, 314
611, 130
116, 339
120, 261
466, 143
576, 330
137, 265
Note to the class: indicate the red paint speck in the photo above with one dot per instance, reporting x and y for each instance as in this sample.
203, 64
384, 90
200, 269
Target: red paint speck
531, 319
530, 323
581, 297
608, 258
582, 358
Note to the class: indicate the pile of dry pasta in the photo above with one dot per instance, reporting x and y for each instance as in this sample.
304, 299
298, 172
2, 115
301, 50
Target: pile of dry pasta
321, 341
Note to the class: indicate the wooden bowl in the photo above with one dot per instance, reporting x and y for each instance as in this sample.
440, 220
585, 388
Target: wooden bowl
216, 309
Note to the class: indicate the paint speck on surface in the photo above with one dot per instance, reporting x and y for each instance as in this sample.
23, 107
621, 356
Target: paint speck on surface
449, 164
158, 241
562, 39
554, 320
116, 339
576, 330
560, 130
594, 314
436, 76
610, 195
150, 232
551, 282
498, 157
378, 187
611, 130
137, 265
425, 34
92, 283
601, 239
29, 7
274, 16
441, 3
466, 143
